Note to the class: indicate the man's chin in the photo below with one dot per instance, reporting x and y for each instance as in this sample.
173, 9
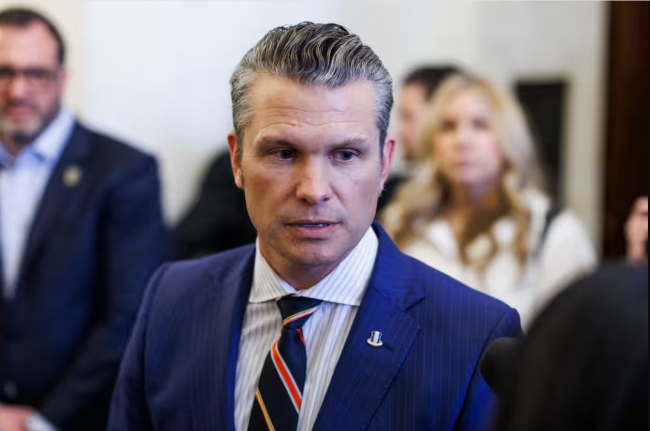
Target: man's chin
23, 135
314, 258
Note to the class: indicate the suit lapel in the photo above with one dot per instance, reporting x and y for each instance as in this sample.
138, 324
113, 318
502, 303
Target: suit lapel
364, 373
218, 322
60, 188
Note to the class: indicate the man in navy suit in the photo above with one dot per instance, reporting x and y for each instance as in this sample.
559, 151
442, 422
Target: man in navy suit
80, 233
323, 325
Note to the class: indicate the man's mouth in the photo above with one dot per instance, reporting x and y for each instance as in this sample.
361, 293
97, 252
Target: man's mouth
312, 225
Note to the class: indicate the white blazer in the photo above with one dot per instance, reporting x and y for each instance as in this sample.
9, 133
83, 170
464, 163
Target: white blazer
565, 254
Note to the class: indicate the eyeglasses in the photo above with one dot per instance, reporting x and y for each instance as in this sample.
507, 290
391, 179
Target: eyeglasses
35, 77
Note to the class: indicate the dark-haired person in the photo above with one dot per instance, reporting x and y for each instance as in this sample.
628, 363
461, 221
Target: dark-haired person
218, 220
80, 232
584, 364
324, 325
418, 89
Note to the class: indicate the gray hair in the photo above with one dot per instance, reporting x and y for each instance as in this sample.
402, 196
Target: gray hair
327, 55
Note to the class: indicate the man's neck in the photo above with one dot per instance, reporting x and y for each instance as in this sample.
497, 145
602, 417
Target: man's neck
300, 277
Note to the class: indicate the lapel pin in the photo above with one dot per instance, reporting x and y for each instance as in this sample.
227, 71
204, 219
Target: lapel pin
375, 339
72, 176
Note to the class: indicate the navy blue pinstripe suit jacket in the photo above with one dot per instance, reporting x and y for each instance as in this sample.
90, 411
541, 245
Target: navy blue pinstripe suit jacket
179, 371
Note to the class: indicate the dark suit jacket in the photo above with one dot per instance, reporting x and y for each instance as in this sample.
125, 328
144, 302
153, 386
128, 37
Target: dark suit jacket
218, 221
91, 250
179, 371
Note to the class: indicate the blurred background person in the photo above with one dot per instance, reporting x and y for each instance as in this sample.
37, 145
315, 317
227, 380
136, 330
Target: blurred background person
218, 220
584, 364
477, 210
81, 231
418, 89
637, 233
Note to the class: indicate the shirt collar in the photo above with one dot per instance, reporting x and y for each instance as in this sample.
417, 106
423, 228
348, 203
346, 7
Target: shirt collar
50, 143
346, 285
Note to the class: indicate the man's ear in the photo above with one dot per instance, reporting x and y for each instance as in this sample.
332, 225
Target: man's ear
235, 158
387, 159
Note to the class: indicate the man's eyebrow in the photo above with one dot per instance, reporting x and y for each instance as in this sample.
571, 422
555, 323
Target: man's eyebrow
274, 142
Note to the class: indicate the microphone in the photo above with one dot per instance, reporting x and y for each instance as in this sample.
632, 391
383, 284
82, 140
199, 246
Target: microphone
498, 363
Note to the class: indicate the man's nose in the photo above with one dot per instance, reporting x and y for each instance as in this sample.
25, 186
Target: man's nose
18, 87
314, 185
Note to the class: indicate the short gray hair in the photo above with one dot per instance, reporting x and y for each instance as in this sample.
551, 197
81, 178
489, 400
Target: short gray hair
327, 55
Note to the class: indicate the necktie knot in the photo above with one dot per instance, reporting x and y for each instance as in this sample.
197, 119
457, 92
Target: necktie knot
296, 310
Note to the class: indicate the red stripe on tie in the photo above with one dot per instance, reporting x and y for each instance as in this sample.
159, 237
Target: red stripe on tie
302, 336
287, 379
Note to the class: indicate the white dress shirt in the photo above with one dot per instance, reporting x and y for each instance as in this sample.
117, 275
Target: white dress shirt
23, 181
566, 253
326, 332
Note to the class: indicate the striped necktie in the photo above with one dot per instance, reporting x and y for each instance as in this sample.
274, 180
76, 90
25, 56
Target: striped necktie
279, 394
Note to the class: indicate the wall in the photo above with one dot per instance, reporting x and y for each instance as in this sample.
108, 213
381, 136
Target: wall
157, 73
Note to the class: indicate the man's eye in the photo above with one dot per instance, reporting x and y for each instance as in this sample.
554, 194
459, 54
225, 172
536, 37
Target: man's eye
347, 156
7, 73
37, 74
285, 154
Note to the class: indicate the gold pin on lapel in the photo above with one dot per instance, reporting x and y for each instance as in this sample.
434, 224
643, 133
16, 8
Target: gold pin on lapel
72, 176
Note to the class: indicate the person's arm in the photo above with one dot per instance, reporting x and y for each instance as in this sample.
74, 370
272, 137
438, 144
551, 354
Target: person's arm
480, 408
636, 232
129, 411
132, 247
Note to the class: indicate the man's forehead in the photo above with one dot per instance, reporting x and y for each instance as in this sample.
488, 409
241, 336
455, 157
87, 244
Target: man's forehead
280, 101
32, 44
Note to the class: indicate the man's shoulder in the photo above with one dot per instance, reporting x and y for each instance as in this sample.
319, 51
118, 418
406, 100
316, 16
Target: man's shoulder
110, 149
449, 302
179, 280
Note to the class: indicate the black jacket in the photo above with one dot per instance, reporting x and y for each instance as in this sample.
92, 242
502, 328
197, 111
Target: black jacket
218, 221
92, 248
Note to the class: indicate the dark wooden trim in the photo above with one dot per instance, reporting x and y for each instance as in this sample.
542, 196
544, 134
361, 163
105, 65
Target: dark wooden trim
626, 161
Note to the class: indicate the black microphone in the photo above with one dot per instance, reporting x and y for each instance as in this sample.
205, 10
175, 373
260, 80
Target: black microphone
498, 363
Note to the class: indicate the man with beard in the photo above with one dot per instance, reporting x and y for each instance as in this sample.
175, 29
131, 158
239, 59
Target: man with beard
80, 232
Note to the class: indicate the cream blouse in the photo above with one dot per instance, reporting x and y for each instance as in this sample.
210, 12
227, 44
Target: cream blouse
565, 254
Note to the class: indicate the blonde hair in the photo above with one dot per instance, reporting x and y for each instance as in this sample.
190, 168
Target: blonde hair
424, 198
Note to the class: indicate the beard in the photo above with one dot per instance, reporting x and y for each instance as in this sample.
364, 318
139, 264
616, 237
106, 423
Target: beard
23, 133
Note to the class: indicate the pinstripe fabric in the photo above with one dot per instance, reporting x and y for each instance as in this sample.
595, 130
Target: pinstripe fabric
184, 365
325, 333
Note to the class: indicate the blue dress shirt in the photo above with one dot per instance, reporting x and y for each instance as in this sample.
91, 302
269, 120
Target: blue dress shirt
23, 181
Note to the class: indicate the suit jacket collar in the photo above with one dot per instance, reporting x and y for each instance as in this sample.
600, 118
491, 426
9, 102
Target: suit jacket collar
59, 190
364, 373
220, 308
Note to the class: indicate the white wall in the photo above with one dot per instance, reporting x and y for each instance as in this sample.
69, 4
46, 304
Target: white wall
156, 73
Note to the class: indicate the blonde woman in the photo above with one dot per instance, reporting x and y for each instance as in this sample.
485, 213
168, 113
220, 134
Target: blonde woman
477, 210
